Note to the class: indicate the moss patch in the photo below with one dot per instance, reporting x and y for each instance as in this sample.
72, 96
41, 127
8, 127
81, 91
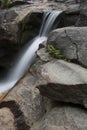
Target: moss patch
6, 3
54, 52
2, 31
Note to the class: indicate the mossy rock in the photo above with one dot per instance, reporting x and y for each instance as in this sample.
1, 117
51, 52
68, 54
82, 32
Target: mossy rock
29, 27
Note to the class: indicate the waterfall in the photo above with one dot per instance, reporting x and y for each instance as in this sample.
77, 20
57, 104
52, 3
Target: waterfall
27, 55
48, 21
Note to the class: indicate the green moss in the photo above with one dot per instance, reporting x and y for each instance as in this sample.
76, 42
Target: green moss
54, 52
27, 27
25, 32
24, 37
2, 30
6, 3
9, 3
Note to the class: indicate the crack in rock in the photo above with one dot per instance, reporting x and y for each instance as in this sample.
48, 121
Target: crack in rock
76, 46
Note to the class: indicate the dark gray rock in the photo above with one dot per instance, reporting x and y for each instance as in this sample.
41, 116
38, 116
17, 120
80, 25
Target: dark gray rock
17, 2
72, 42
65, 93
70, 15
73, 9
82, 21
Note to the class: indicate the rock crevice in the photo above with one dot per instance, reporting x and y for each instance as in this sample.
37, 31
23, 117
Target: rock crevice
73, 42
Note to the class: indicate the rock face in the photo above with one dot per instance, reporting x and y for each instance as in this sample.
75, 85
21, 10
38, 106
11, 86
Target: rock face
72, 42
63, 118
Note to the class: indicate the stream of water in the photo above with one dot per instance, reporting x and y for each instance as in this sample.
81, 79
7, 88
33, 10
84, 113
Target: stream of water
27, 55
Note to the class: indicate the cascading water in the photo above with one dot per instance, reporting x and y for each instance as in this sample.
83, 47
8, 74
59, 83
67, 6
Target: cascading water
27, 56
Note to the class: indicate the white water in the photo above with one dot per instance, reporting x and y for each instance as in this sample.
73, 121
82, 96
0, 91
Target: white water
49, 19
27, 56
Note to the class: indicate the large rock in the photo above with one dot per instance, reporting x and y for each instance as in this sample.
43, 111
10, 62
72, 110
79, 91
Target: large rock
63, 118
63, 81
25, 104
72, 42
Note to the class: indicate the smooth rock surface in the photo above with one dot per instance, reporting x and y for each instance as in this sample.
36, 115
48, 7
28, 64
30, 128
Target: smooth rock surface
72, 42
63, 72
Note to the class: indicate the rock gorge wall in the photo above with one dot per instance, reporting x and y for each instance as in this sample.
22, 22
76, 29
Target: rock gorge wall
18, 25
